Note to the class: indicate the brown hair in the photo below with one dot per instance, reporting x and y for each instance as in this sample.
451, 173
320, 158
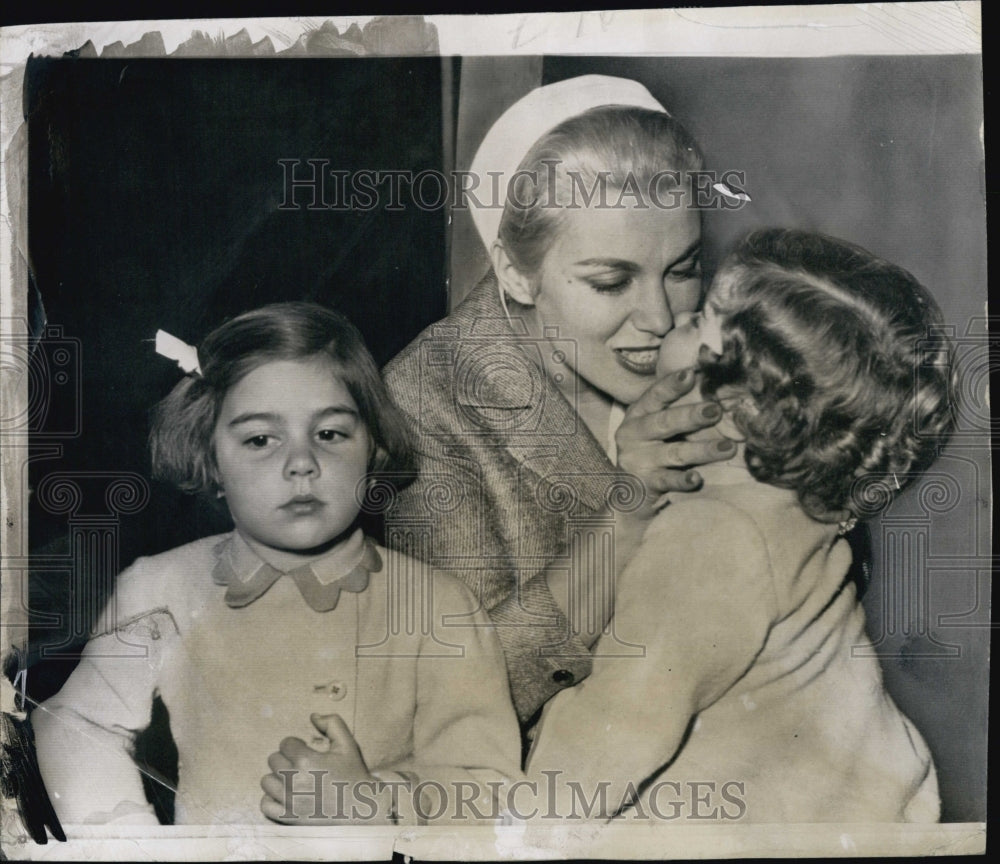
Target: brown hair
844, 358
184, 422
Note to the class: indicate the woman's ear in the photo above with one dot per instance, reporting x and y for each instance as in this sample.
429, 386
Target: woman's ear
512, 281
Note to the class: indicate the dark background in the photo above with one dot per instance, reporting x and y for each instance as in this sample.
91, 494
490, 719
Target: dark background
153, 203
154, 199
154, 196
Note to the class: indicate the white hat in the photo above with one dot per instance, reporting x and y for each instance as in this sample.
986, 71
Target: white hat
528, 119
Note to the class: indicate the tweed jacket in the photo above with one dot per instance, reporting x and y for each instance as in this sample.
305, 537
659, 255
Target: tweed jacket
511, 480
423, 695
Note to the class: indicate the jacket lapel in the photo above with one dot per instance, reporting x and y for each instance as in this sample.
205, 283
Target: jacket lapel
502, 389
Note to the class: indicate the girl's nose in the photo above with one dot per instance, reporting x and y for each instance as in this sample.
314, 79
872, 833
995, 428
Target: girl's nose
301, 463
652, 315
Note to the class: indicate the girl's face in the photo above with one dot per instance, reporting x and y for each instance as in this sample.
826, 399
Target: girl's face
680, 350
682, 345
292, 453
614, 282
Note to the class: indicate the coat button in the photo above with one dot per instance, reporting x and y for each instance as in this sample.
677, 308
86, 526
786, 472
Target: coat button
336, 690
563, 677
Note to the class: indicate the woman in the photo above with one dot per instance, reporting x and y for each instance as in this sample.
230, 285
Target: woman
536, 482
772, 700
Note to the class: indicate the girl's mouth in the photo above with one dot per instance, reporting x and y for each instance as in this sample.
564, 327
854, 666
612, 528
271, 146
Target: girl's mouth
641, 361
303, 505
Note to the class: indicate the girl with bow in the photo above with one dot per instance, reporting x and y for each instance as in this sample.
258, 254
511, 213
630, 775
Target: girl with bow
381, 679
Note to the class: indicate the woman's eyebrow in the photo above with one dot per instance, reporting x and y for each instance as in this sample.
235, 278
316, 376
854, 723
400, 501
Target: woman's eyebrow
690, 252
632, 267
614, 263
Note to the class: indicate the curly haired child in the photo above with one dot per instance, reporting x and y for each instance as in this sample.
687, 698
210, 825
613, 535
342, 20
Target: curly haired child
758, 678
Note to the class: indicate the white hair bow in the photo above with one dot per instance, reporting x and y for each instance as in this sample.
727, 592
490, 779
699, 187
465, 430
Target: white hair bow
174, 349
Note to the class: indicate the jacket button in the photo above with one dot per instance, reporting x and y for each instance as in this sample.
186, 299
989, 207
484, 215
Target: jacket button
336, 690
563, 677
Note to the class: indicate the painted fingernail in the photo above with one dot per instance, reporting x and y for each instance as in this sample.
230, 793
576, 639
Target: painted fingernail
711, 411
684, 375
692, 478
725, 446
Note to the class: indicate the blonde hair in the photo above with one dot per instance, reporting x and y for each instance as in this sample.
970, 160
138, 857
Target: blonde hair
613, 146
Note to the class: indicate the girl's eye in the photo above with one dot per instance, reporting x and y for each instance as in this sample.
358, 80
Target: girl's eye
257, 442
688, 319
330, 435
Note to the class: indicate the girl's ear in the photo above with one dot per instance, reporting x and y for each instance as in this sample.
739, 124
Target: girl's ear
732, 403
512, 281
214, 477
728, 428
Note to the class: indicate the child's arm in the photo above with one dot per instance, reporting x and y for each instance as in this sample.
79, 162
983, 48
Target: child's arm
698, 595
84, 734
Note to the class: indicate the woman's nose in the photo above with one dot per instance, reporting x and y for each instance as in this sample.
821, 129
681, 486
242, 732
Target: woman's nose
301, 463
652, 315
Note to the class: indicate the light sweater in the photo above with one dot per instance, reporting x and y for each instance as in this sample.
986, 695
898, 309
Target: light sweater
410, 663
757, 671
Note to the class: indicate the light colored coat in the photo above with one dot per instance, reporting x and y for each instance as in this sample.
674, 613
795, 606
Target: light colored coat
410, 664
759, 696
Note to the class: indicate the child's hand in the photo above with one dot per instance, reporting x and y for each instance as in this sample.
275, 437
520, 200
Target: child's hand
317, 787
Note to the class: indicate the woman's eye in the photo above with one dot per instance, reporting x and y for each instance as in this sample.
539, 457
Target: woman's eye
692, 272
257, 442
610, 287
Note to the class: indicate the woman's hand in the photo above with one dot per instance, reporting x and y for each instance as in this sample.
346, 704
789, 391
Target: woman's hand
651, 445
316, 787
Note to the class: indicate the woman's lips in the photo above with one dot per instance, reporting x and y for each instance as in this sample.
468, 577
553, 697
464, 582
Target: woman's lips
641, 361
